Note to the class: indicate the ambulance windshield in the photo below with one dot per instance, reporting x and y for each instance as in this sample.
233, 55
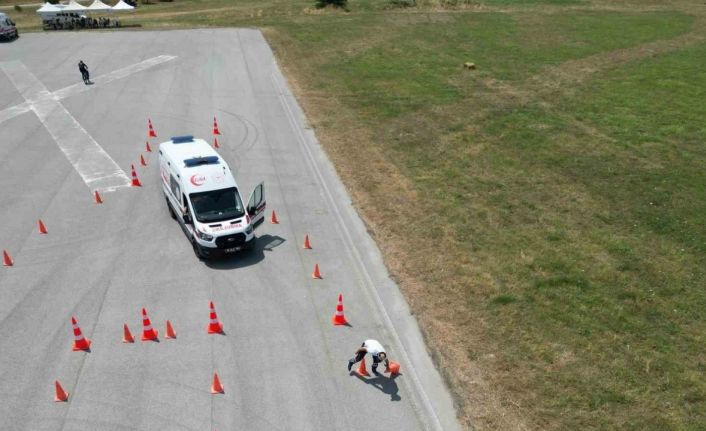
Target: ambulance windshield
217, 205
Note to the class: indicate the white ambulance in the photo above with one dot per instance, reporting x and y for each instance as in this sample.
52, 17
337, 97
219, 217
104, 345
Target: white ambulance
8, 31
204, 198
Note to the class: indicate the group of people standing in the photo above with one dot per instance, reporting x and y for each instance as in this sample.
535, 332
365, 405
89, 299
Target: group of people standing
72, 21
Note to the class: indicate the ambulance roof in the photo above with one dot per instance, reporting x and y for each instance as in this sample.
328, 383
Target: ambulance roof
199, 166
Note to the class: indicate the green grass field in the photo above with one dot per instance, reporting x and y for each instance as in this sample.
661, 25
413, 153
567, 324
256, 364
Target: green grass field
545, 214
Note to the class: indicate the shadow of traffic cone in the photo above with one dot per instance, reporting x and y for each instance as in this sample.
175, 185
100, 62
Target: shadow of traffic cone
316, 274
148, 333
135, 180
150, 129
127, 335
216, 387
142, 161
80, 342
362, 371
42, 228
169, 333
6, 259
147, 147
60, 395
215, 127
97, 197
214, 326
274, 219
339, 318
215, 143
307, 244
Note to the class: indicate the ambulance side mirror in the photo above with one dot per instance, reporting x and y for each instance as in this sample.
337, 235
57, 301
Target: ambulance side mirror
187, 219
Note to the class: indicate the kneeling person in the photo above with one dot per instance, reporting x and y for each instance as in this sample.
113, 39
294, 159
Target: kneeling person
376, 351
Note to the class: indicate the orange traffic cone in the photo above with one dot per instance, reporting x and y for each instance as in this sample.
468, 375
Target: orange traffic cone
150, 130
361, 368
80, 343
170, 331
135, 180
339, 318
215, 143
42, 228
316, 273
60, 394
274, 219
142, 161
97, 197
215, 127
147, 147
148, 333
6, 259
393, 369
216, 387
214, 327
307, 244
127, 335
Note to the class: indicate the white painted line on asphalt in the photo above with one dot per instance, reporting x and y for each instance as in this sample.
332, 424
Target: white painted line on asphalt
12, 112
93, 164
301, 139
112, 76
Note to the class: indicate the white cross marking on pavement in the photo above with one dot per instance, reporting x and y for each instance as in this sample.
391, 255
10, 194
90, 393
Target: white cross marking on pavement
98, 170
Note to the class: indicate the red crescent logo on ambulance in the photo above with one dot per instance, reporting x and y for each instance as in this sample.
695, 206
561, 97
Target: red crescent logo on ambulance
197, 179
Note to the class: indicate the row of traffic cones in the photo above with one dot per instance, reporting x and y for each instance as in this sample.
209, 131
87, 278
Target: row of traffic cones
7, 259
307, 246
82, 343
60, 395
152, 134
148, 332
339, 318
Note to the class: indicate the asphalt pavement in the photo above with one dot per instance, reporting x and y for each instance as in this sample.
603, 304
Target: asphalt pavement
281, 361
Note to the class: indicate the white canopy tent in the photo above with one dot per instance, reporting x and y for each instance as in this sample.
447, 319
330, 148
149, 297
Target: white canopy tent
98, 6
73, 6
49, 11
50, 8
121, 6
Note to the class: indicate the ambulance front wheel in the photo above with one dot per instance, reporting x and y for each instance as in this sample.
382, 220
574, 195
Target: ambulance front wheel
197, 250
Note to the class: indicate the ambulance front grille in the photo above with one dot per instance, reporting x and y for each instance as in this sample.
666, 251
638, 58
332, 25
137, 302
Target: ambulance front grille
230, 241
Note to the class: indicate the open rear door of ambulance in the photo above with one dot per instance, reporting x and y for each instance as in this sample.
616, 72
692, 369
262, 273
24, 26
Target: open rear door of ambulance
257, 204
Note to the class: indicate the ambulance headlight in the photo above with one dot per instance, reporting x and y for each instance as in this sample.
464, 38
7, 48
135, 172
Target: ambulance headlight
204, 236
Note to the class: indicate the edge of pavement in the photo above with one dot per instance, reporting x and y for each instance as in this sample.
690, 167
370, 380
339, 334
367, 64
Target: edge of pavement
426, 386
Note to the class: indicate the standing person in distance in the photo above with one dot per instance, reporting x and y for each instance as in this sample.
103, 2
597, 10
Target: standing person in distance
376, 351
84, 72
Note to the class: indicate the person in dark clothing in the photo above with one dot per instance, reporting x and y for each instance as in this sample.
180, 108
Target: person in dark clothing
84, 72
